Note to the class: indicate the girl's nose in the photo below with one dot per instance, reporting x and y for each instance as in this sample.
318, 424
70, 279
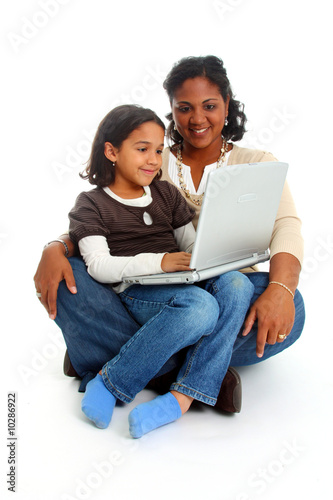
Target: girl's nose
153, 159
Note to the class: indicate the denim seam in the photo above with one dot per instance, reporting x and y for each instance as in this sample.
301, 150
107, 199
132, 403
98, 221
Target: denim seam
212, 284
151, 303
190, 361
215, 287
194, 393
123, 397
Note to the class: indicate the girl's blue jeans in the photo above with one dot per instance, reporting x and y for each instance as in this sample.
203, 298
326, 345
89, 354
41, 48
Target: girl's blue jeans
204, 319
96, 326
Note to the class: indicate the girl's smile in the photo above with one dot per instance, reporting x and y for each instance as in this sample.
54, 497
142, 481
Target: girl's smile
137, 161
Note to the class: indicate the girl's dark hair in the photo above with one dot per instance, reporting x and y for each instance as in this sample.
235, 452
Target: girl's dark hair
115, 127
211, 67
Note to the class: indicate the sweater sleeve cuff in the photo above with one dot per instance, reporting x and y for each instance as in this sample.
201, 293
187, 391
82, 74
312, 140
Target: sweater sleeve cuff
294, 248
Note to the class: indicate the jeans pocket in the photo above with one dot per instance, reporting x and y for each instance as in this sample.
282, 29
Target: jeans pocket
141, 310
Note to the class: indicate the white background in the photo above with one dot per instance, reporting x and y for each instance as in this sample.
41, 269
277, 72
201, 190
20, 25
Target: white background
64, 66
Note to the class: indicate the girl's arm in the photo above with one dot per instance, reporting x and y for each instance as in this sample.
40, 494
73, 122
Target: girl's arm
107, 268
185, 236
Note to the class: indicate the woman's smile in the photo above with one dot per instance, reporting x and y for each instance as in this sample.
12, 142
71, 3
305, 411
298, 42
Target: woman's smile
199, 132
199, 112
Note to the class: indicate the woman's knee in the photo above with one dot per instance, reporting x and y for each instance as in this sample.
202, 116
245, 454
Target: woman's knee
92, 298
299, 321
299, 315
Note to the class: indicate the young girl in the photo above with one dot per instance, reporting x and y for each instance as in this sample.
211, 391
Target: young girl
133, 223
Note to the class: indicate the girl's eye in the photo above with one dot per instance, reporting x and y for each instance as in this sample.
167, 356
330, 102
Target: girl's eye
159, 151
142, 150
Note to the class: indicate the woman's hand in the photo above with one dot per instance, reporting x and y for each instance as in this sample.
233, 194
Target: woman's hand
53, 268
178, 261
274, 311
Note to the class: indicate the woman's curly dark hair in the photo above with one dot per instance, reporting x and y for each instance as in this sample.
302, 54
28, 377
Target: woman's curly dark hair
115, 128
212, 68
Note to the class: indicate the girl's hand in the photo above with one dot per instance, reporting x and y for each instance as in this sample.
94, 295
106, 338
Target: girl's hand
53, 268
178, 261
275, 312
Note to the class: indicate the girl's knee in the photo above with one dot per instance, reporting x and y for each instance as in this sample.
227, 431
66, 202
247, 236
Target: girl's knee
211, 306
208, 312
237, 282
204, 306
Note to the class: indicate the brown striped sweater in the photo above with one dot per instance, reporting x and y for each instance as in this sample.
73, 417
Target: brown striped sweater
97, 214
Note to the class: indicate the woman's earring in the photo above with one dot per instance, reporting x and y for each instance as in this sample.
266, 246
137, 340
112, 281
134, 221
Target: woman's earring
175, 127
226, 121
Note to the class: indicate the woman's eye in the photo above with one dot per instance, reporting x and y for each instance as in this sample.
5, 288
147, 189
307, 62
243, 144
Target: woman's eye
142, 150
184, 109
210, 106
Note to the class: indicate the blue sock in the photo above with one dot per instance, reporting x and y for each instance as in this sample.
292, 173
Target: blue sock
98, 402
149, 416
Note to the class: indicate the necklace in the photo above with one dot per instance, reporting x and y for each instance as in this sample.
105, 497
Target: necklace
179, 163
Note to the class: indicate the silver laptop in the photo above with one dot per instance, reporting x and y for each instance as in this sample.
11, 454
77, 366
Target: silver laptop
235, 223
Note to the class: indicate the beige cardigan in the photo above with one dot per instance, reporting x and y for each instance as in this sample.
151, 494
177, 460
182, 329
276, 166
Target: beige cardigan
286, 236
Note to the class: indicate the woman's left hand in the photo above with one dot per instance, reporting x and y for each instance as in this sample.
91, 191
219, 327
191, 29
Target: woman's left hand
274, 312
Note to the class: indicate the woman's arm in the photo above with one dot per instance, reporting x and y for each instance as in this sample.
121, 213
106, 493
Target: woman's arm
53, 268
274, 309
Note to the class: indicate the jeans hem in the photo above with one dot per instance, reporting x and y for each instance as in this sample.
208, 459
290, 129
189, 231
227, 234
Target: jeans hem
114, 391
198, 396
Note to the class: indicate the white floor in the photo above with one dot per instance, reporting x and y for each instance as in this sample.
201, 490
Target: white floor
277, 443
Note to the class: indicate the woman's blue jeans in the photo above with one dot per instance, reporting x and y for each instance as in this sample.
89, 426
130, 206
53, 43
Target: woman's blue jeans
96, 325
204, 319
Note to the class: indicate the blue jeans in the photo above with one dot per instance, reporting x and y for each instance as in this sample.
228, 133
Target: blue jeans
175, 317
95, 325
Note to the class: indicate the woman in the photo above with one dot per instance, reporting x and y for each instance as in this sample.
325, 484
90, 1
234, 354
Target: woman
204, 119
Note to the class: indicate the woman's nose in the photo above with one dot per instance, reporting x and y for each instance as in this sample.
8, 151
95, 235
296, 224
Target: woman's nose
198, 116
